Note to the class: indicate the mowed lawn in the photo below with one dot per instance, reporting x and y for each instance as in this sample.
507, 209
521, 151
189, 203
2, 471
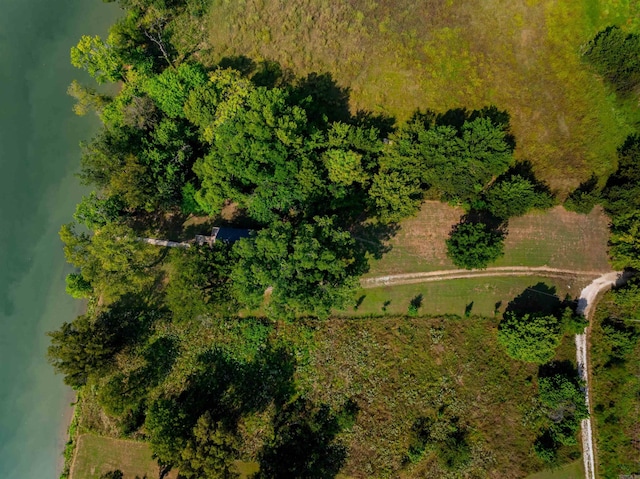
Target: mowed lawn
96, 455
397, 56
463, 297
556, 238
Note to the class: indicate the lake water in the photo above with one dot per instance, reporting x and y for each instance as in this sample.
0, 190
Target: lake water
39, 152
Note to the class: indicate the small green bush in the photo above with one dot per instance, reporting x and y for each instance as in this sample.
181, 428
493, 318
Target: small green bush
585, 197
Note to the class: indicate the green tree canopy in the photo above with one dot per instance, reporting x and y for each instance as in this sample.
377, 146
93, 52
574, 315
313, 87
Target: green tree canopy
515, 196
114, 261
95, 212
98, 58
78, 287
262, 159
473, 245
210, 453
84, 347
309, 268
621, 194
565, 404
170, 90
530, 337
624, 243
458, 163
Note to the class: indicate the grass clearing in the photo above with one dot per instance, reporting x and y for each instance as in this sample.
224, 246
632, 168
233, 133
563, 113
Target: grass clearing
398, 56
575, 470
96, 455
556, 238
474, 296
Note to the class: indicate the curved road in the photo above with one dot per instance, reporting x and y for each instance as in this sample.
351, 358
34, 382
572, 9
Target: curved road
586, 302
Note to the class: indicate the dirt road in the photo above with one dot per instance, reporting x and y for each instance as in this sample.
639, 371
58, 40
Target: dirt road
586, 303
413, 278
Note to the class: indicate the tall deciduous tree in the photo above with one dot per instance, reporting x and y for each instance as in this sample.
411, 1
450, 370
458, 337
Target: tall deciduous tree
473, 245
261, 158
83, 347
113, 260
98, 58
210, 453
310, 268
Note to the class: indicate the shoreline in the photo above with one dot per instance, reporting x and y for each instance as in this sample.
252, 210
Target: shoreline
63, 435
68, 412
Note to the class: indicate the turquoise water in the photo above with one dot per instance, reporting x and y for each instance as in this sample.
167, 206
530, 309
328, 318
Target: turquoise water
39, 136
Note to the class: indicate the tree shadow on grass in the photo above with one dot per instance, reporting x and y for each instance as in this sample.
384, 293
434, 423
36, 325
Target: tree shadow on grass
323, 98
539, 298
229, 388
374, 238
416, 301
563, 368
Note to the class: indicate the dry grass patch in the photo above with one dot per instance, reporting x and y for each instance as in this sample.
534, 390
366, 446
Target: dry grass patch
398, 56
556, 238
560, 239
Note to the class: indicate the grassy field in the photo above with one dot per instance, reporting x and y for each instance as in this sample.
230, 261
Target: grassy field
96, 455
398, 56
399, 369
481, 296
557, 238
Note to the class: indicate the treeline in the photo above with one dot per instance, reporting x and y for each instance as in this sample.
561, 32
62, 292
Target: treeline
615, 55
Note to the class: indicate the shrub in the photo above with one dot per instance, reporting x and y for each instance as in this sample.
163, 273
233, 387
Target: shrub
475, 245
530, 337
584, 197
562, 395
616, 56
515, 196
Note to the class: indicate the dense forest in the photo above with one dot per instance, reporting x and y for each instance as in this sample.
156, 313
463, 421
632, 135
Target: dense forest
197, 349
